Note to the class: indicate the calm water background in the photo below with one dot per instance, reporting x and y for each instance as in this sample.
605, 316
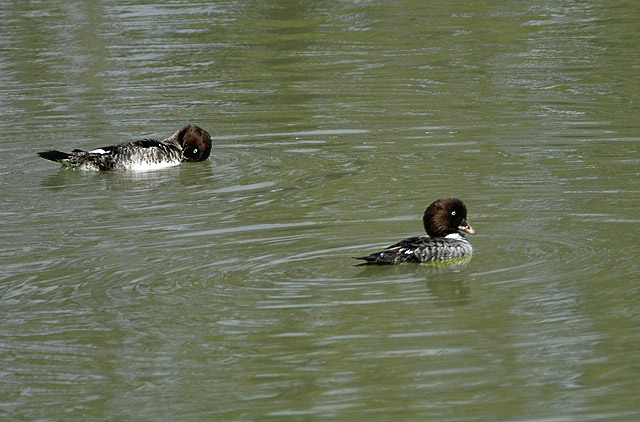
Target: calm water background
224, 290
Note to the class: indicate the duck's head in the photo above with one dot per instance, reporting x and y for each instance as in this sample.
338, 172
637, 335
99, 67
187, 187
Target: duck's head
195, 142
446, 216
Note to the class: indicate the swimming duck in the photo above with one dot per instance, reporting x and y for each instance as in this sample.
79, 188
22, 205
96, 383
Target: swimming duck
191, 143
445, 221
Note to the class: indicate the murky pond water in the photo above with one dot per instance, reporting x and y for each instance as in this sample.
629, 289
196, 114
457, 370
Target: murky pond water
225, 290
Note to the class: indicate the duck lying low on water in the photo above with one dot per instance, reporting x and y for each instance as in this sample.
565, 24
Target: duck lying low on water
189, 144
445, 222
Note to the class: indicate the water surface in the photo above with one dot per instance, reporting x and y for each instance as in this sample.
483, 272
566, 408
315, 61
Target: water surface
224, 290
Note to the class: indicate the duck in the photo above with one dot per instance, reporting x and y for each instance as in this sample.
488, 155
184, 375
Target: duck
189, 144
445, 221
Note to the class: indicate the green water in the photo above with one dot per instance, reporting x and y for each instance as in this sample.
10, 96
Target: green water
225, 290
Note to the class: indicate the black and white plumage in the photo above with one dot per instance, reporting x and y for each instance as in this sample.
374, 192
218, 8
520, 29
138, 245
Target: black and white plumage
445, 222
191, 143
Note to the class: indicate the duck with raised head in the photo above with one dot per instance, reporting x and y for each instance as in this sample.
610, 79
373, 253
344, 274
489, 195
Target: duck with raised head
445, 221
189, 144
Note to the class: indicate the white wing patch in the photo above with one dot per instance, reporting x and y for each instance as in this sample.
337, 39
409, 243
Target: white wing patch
98, 151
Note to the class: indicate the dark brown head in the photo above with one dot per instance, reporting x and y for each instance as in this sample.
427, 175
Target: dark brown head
446, 216
195, 142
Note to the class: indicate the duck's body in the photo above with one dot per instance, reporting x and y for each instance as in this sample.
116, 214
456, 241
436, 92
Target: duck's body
191, 143
445, 221
420, 250
147, 154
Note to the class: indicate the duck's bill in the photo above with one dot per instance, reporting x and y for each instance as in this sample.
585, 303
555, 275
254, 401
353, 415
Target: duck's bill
466, 229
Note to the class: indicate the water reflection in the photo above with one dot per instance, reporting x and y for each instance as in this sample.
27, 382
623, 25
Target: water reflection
454, 291
448, 282
66, 179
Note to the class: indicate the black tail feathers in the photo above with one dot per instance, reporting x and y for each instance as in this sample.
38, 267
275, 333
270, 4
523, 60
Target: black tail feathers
362, 264
369, 260
54, 155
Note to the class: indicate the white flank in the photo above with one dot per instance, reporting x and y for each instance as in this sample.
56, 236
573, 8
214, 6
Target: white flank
152, 166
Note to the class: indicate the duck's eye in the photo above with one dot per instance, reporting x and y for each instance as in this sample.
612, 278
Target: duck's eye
195, 150
453, 213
